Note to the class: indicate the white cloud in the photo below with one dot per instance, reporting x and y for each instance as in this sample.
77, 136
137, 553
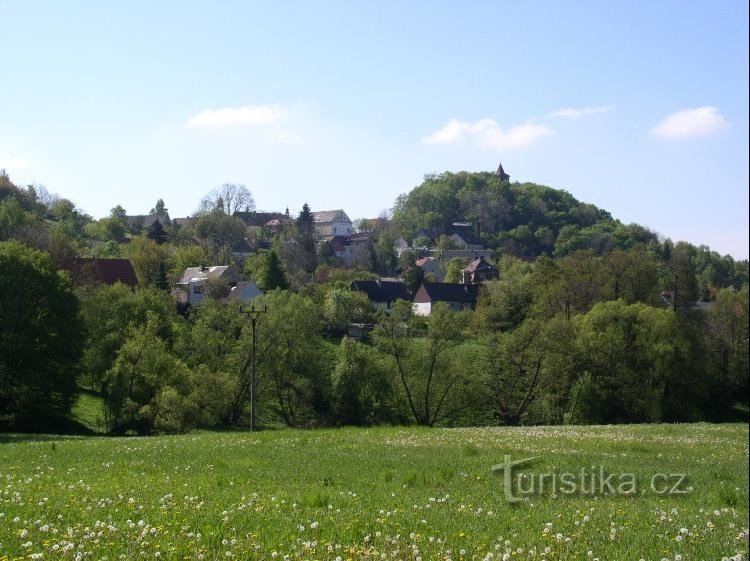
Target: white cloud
247, 115
575, 113
487, 134
11, 162
284, 137
701, 121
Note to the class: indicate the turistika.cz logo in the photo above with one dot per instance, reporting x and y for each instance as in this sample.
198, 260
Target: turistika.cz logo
592, 480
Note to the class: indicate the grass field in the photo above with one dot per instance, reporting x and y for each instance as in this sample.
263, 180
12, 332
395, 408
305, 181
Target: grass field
387, 493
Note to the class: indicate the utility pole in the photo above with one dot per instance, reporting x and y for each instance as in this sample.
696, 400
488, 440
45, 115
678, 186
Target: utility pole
253, 313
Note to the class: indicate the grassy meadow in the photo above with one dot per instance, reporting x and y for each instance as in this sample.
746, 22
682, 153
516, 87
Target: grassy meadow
384, 493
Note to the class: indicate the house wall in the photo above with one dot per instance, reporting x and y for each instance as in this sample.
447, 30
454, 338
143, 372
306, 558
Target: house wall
422, 308
248, 291
196, 292
342, 228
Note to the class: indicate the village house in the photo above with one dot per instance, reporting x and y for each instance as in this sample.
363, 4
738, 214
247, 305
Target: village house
351, 249
382, 293
399, 246
258, 218
87, 271
139, 222
457, 296
479, 270
330, 223
192, 287
431, 266
464, 236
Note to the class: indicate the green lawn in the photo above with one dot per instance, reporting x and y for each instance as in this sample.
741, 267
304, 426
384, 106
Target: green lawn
390, 493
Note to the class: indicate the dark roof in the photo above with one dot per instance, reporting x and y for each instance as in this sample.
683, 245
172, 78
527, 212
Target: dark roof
447, 292
330, 216
100, 271
182, 221
431, 234
467, 233
382, 290
146, 220
227, 272
501, 173
259, 218
479, 264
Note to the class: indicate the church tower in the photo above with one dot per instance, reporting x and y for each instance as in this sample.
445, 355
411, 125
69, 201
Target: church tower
500, 173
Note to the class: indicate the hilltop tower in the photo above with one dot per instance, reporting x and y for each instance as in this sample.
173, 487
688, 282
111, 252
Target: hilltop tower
500, 173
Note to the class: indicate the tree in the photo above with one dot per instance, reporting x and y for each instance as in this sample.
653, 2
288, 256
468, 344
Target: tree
147, 387
156, 232
446, 242
217, 230
521, 367
342, 307
228, 199
107, 313
629, 351
186, 256
454, 268
682, 280
727, 338
149, 260
272, 275
159, 208
503, 305
119, 213
291, 373
40, 340
423, 365
14, 220
361, 386
306, 238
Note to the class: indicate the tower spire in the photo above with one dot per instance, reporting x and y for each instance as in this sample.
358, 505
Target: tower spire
500, 173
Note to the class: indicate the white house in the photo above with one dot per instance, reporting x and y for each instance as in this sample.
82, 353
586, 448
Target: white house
332, 223
191, 288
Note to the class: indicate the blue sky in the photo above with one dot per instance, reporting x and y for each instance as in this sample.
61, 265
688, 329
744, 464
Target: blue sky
638, 107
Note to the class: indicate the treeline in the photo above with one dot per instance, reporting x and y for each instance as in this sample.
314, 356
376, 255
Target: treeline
617, 327
546, 344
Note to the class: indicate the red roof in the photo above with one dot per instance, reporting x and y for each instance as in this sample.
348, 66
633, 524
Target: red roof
100, 271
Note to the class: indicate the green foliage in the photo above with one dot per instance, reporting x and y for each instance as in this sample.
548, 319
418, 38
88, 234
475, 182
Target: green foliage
362, 390
290, 362
185, 256
306, 239
147, 389
628, 349
216, 229
727, 344
14, 220
520, 219
516, 370
504, 304
423, 366
343, 306
157, 233
454, 268
159, 208
149, 260
40, 340
108, 312
272, 275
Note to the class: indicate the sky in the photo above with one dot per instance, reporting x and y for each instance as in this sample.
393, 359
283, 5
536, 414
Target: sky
639, 107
